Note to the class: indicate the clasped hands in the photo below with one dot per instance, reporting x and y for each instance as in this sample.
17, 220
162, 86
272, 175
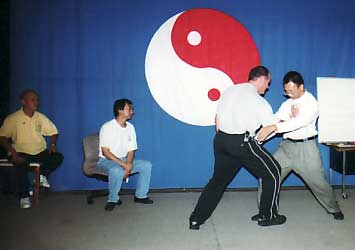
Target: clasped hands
265, 132
127, 169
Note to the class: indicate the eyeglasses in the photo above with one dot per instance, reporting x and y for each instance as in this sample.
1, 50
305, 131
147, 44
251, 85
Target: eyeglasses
287, 93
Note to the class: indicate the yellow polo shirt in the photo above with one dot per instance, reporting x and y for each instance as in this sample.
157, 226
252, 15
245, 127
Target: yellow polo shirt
27, 132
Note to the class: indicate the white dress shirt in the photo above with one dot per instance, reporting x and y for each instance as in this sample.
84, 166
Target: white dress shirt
242, 109
304, 124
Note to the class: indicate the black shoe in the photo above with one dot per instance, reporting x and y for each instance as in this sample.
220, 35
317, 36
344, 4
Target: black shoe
256, 217
338, 215
194, 225
275, 220
111, 205
143, 200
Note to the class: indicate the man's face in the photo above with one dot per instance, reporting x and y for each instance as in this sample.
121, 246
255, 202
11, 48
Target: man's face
292, 90
30, 101
127, 111
264, 84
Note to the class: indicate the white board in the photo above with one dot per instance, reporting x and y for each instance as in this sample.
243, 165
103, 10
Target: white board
336, 100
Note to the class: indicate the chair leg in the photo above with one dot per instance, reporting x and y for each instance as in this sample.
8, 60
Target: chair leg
37, 184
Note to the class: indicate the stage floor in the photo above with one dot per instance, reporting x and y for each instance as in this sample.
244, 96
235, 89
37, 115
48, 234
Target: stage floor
63, 220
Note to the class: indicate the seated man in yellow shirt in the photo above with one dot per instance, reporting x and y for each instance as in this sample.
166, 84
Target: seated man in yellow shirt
22, 136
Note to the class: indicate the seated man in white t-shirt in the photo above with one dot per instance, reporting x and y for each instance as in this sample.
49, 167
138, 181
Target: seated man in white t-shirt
117, 144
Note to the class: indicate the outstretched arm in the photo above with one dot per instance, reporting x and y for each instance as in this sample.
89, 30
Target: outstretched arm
264, 132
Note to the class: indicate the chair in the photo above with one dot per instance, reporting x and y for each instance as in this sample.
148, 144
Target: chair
91, 156
36, 166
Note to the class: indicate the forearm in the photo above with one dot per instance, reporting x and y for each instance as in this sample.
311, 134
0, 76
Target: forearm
53, 139
295, 123
4, 142
106, 152
266, 132
216, 123
130, 157
296, 116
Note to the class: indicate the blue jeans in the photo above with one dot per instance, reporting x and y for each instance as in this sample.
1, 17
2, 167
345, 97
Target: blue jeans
115, 177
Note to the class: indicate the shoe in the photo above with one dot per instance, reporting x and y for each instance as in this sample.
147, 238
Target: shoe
143, 200
256, 217
275, 220
25, 202
43, 181
338, 215
194, 225
111, 205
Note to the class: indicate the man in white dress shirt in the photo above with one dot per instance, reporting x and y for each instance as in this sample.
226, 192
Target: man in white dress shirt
298, 151
240, 112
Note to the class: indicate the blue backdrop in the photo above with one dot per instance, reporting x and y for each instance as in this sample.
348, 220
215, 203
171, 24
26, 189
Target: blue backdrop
81, 55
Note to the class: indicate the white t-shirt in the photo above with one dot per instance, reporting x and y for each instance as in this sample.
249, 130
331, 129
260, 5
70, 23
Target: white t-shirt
304, 124
118, 139
242, 109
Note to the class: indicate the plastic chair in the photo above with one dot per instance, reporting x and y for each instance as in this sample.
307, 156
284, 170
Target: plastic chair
91, 156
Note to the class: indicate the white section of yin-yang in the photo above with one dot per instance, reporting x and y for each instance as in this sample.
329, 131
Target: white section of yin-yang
180, 89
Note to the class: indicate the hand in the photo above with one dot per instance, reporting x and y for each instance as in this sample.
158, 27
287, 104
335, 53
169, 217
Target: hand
16, 159
53, 149
127, 169
294, 111
126, 174
265, 132
128, 166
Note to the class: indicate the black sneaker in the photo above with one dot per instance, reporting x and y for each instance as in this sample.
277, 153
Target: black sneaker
256, 217
338, 215
111, 205
143, 200
194, 225
275, 220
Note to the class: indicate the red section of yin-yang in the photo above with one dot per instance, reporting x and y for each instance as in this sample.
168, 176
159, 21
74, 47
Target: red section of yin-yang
225, 43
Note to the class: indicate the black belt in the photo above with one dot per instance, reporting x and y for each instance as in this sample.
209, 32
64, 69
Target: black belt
303, 140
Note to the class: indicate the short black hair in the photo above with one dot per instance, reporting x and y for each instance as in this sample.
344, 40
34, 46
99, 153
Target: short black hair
26, 91
119, 105
258, 71
293, 76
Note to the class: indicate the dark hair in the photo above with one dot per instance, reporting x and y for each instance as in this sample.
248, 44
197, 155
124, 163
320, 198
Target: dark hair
26, 91
119, 105
258, 71
293, 76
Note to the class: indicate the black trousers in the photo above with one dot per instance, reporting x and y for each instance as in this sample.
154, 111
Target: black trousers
231, 152
19, 172
14, 181
49, 161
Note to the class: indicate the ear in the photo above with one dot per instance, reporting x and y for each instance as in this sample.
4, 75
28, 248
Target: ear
302, 87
